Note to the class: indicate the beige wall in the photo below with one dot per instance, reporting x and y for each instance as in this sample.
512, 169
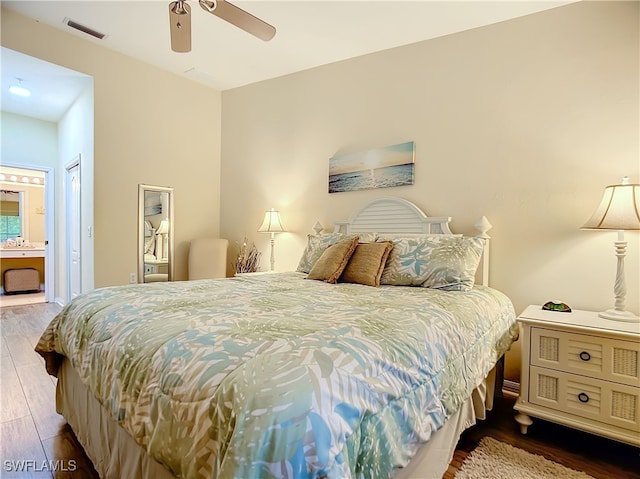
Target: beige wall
36, 215
150, 127
524, 121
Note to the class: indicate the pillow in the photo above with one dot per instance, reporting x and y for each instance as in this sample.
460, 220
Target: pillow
316, 244
434, 261
367, 263
332, 262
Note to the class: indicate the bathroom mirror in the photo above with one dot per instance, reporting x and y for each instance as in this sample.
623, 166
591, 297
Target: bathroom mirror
12, 215
155, 234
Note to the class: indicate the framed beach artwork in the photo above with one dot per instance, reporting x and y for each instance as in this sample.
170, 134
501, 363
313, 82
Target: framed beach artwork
379, 168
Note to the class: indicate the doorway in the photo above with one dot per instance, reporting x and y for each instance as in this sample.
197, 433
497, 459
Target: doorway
27, 232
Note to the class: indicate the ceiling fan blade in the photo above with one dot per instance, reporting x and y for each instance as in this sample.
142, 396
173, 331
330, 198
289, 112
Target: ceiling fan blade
238, 17
180, 24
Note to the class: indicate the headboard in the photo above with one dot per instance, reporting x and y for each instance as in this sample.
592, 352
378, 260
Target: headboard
392, 215
397, 215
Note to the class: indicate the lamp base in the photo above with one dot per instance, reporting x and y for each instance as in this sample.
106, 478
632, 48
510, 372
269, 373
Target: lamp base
616, 315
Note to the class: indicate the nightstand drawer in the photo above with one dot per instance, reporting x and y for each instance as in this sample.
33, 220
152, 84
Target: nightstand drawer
597, 357
603, 401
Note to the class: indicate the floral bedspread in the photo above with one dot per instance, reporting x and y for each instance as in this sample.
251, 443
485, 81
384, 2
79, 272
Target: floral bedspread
265, 376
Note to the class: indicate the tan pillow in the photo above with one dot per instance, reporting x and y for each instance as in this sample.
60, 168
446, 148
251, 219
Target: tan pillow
316, 244
367, 263
330, 265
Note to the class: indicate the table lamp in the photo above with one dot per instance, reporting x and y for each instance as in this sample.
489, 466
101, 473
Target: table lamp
272, 224
619, 210
163, 231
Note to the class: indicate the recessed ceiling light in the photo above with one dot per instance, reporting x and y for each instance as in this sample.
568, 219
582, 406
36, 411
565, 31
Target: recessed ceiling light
19, 90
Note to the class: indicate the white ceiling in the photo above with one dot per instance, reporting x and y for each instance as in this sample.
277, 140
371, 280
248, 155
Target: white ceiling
309, 33
53, 88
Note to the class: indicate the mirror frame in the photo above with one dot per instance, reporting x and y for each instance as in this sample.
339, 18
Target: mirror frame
142, 189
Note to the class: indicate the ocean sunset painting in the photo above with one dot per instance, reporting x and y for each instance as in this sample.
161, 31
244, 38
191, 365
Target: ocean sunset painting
380, 168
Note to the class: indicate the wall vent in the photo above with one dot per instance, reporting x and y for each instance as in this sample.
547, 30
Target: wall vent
84, 29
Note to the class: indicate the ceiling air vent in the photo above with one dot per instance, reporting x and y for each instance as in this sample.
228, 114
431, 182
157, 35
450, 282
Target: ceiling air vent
83, 29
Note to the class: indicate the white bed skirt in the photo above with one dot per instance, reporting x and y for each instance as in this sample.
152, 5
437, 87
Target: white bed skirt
116, 455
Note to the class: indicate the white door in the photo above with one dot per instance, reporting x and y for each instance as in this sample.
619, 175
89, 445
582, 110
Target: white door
74, 269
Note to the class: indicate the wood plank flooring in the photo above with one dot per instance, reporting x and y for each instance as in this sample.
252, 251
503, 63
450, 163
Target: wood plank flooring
599, 457
31, 430
35, 441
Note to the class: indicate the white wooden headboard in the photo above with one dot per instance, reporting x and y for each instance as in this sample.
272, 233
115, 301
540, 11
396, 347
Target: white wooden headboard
392, 215
397, 215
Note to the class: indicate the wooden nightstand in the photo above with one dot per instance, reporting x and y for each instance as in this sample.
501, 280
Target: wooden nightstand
582, 371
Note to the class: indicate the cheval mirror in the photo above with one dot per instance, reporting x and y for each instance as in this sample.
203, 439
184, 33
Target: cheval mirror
155, 234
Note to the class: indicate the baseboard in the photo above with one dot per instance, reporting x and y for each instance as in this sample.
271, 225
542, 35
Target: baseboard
510, 388
59, 301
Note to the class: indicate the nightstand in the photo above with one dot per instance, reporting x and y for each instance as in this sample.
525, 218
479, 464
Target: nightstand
156, 267
581, 371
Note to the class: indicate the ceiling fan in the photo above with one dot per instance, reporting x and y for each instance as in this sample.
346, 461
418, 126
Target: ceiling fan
180, 21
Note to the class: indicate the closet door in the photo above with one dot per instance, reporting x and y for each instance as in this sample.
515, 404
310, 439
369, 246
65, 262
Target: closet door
74, 265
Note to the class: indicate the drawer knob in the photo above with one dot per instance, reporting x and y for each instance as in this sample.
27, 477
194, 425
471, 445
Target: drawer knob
585, 356
583, 397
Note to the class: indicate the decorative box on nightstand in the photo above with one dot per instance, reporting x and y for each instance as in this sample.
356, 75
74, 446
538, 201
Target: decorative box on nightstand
582, 371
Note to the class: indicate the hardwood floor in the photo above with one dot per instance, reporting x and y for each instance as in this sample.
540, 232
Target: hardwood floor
594, 455
32, 432
35, 441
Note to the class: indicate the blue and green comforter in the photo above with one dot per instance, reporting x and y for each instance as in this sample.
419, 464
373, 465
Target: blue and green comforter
278, 376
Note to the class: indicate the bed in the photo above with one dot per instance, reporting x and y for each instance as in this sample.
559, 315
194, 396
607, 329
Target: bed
281, 375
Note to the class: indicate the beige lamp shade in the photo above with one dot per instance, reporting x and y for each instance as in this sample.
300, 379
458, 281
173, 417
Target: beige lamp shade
163, 228
619, 208
271, 223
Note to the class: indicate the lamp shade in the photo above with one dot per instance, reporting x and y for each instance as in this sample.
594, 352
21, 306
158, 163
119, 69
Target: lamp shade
271, 223
619, 208
163, 228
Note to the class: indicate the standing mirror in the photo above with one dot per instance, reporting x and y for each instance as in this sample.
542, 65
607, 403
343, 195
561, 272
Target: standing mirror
155, 234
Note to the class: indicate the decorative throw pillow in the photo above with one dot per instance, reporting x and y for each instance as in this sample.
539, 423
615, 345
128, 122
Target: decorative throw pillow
406, 263
332, 262
316, 244
367, 263
434, 261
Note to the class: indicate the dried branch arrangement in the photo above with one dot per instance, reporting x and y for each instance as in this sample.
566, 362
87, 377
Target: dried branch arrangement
248, 259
